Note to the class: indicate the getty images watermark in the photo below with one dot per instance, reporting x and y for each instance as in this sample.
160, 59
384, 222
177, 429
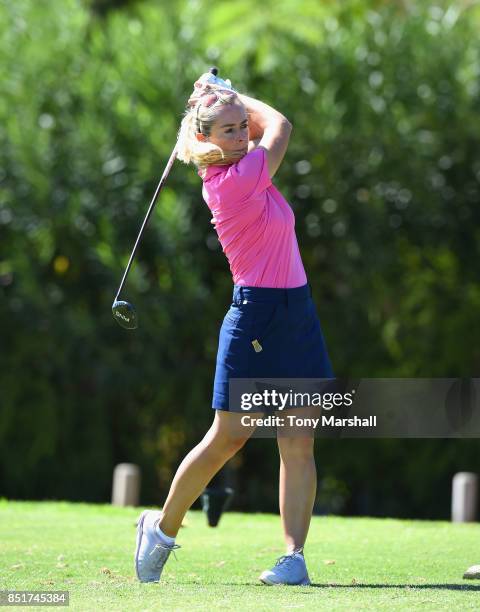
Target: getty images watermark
358, 408
277, 400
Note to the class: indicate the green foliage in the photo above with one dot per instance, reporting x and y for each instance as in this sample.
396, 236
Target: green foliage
383, 175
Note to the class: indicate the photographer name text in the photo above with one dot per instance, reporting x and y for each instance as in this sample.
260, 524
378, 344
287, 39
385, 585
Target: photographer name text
291, 420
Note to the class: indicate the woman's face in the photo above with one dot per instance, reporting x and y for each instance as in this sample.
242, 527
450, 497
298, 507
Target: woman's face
230, 130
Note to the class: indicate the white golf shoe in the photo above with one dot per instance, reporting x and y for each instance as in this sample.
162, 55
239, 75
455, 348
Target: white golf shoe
289, 569
151, 552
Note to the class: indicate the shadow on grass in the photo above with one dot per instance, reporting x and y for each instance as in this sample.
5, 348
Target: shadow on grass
446, 587
318, 585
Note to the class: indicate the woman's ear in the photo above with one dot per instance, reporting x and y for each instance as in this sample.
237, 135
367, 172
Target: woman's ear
201, 137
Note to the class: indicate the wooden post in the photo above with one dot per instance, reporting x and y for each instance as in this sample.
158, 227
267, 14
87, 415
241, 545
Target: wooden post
464, 497
126, 485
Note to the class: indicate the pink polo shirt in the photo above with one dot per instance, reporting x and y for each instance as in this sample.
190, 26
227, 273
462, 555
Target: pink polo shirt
254, 223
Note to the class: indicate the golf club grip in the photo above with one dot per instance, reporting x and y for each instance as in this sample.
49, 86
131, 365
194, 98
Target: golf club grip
147, 217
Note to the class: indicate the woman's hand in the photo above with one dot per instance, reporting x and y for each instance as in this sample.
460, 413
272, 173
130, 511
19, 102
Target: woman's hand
202, 87
199, 89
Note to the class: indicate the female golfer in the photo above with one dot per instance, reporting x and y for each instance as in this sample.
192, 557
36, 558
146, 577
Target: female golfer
271, 329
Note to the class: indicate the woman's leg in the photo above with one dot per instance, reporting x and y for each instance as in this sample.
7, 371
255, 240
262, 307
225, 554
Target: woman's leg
297, 487
224, 438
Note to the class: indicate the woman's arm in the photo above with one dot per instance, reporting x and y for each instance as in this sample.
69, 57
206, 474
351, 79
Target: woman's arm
276, 130
261, 115
255, 130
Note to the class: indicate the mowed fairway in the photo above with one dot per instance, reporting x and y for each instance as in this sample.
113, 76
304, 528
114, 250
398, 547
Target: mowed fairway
358, 563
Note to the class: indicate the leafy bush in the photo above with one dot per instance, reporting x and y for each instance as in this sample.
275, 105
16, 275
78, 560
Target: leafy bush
383, 175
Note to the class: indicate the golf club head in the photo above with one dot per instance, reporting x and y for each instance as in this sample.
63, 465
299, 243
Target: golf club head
215, 502
124, 314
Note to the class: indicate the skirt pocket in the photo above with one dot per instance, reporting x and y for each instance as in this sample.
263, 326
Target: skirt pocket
238, 313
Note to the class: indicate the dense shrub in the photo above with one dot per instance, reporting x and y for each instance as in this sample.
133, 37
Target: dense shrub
382, 172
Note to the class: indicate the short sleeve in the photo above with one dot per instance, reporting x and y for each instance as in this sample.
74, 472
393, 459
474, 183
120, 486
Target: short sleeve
246, 179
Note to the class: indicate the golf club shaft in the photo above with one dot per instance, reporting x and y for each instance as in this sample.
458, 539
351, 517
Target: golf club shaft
214, 72
149, 212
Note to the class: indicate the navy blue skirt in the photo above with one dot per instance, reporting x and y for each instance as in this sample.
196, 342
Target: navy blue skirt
269, 333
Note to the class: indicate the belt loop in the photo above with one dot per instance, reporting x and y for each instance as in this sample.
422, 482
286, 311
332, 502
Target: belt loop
241, 295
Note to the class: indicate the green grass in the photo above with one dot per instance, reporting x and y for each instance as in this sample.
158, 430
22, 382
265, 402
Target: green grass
379, 564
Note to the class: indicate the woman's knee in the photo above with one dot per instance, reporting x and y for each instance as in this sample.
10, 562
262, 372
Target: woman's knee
225, 435
225, 444
295, 447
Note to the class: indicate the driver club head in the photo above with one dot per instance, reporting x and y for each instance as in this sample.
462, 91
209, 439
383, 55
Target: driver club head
124, 314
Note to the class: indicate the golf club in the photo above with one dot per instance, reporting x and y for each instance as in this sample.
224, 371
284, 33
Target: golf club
124, 312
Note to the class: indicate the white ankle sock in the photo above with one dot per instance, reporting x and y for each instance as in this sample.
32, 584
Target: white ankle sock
167, 539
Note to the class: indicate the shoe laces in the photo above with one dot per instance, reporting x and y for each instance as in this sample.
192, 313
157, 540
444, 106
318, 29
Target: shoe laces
285, 559
164, 546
